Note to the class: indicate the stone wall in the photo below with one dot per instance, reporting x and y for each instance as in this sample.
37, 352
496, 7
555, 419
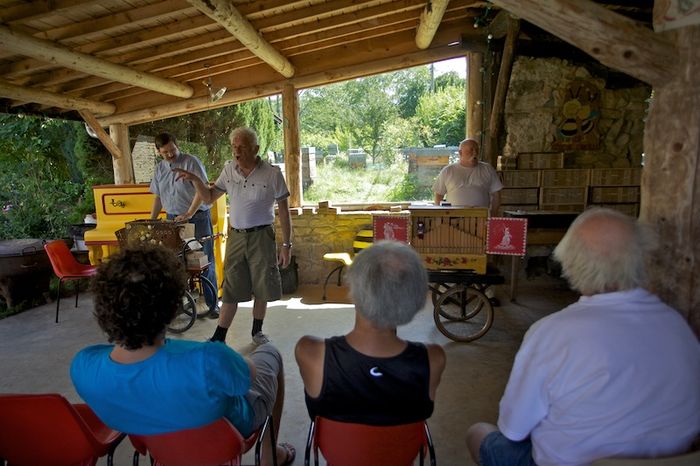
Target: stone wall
540, 88
318, 230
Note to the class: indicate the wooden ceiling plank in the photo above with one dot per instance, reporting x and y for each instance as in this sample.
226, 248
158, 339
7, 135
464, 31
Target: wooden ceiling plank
52, 53
104, 24
430, 20
24, 94
614, 40
104, 138
33, 10
234, 22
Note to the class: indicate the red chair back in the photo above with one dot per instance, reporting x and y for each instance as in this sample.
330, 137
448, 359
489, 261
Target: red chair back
349, 444
214, 444
47, 429
63, 262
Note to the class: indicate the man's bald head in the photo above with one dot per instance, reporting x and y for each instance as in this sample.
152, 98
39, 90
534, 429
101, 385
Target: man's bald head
603, 251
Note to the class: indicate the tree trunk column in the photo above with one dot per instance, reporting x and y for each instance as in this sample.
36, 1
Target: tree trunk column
475, 97
123, 167
292, 150
670, 201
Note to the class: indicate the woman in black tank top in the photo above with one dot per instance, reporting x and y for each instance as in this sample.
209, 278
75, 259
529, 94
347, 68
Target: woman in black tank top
370, 375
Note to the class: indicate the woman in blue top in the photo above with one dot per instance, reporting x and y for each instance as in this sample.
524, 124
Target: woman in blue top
146, 384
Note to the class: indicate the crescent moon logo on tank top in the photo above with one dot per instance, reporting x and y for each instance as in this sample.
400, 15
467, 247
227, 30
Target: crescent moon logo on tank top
375, 372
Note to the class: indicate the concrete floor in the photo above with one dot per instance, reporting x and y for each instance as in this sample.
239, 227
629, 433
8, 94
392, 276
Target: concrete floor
36, 353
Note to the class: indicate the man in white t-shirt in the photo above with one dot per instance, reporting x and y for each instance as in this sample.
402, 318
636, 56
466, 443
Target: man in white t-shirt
469, 182
616, 374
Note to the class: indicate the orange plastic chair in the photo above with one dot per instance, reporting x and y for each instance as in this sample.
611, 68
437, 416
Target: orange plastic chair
47, 429
349, 444
218, 443
66, 268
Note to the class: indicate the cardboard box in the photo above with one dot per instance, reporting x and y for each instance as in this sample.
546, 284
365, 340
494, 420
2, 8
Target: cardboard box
196, 259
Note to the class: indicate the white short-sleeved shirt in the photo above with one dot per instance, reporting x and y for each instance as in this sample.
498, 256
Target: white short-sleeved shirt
176, 196
468, 186
252, 199
615, 374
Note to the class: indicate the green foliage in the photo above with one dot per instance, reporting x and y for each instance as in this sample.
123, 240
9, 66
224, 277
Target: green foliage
409, 189
339, 182
440, 117
410, 85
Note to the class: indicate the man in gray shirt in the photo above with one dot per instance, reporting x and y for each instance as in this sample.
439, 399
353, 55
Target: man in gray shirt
182, 203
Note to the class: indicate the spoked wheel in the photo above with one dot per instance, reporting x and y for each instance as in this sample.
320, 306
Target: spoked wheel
463, 313
437, 289
199, 287
185, 316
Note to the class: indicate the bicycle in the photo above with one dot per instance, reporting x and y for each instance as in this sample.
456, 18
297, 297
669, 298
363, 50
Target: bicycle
194, 303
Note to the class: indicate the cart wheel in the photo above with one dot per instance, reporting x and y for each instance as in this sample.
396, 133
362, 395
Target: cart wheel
185, 316
437, 289
199, 287
463, 313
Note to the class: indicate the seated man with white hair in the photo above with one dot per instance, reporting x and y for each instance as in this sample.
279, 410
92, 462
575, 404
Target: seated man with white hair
616, 374
370, 375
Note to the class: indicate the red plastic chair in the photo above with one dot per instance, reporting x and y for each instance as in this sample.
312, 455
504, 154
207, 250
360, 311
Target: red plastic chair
349, 444
66, 268
218, 443
47, 429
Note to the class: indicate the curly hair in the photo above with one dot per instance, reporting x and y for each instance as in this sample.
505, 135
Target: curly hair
137, 293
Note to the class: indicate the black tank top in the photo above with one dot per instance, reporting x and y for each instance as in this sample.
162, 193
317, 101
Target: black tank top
376, 391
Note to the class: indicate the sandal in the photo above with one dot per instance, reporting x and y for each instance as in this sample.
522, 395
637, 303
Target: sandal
290, 451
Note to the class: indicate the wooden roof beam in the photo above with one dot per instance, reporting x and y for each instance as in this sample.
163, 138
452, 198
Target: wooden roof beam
11, 91
27, 45
430, 20
224, 13
102, 135
614, 40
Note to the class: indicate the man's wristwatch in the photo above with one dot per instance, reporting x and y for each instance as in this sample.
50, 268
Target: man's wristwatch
287, 245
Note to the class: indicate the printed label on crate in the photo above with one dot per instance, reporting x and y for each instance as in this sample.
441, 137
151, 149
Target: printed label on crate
506, 236
391, 227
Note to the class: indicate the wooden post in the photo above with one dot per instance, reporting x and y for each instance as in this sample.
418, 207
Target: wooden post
475, 98
499, 100
123, 168
670, 199
292, 149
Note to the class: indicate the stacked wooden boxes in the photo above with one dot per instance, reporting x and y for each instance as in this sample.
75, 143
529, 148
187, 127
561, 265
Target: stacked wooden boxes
521, 191
564, 190
616, 188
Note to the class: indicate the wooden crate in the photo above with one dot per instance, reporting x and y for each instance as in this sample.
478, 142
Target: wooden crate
566, 178
519, 195
561, 196
629, 209
538, 160
506, 163
614, 195
616, 176
520, 178
450, 237
563, 207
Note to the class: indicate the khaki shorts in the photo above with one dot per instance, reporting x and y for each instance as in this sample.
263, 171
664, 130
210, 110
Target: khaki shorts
263, 390
250, 267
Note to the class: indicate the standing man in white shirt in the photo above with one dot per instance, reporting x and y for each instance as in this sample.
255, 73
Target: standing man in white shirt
616, 374
252, 259
182, 204
469, 182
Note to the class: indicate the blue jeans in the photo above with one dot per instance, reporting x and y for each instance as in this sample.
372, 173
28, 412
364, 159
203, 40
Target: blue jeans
497, 450
202, 227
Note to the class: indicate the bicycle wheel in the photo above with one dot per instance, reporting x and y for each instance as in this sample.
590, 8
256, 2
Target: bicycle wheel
185, 316
463, 313
199, 287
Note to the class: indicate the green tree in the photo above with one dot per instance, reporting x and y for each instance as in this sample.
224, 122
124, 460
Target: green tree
440, 117
409, 86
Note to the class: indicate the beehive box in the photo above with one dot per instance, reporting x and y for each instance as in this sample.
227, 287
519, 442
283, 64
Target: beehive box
539, 160
616, 176
519, 195
610, 195
506, 163
450, 237
520, 178
565, 178
560, 196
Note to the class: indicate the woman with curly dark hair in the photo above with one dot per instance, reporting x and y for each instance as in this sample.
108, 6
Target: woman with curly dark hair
146, 384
